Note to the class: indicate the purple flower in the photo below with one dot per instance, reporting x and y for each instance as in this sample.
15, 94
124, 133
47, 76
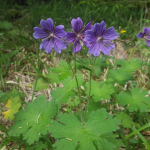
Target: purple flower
99, 39
78, 34
145, 35
51, 36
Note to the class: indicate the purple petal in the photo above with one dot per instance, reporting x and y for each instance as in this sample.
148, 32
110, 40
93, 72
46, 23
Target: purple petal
99, 28
140, 35
44, 44
148, 42
77, 24
76, 46
110, 34
146, 30
59, 31
49, 46
87, 44
59, 44
106, 47
48, 25
89, 37
95, 49
70, 37
39, 33
88, 27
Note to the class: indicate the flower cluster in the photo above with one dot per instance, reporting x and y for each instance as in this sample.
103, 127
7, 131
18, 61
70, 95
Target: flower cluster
96, 38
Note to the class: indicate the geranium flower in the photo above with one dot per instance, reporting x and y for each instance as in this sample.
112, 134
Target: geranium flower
52, 37
99, 39
145, 35
78, 33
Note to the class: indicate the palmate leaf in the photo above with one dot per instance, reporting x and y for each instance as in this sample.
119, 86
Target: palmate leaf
53, 77
100, 90
72, 135
38, 146
62, 94
121, 75
13, 104
34, 120
41, 85
131, 65
126, 120
134, 99
63, 70
5, 96
86, 64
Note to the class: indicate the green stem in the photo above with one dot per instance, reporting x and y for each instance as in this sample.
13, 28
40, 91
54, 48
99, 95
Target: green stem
81, 111
88, 99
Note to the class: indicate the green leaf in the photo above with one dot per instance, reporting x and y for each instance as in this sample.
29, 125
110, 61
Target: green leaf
5, 57
34, 120
96, 68
38, 146
41, 85
6, 25
134, 99
100, 90
120, 75
74, 101
11, 94
63, 70
126, 120
72, 135
1, 94
53, 77
66, 91
130, 65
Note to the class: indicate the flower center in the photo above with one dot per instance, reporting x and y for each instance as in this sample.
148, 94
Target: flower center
51, 35
99, 38
79, 36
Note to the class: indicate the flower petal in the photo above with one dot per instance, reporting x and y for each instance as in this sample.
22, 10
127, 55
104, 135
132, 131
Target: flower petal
95, 48
39, 33
76, 46
59, 44
44, 44
106, 47
70, 37
88, 27
89, 37
59, 31
148, 42
110, 34
49, 46
99, 28
77, 24
48, 25
146, 30
140, 35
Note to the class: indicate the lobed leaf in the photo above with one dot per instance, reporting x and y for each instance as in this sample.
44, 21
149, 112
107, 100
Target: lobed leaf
134, 99
63, 70
121, 75
100, 90
72, 135
126, 120
66, 91
34, 120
